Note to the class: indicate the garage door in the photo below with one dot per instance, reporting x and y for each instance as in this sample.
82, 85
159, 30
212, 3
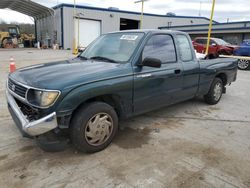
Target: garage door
89, 30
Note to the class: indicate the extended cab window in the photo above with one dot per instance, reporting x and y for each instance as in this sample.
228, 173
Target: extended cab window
160, 47
185, 48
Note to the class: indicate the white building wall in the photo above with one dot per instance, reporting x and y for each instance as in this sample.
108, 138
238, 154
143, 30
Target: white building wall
110, 21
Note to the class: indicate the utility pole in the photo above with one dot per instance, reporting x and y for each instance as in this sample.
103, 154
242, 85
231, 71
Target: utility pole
210, 27
75, 50
142, 8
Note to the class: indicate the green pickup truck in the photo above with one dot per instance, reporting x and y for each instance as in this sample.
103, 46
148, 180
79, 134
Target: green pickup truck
119, 75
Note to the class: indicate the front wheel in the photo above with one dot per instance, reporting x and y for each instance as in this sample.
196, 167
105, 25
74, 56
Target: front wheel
215, 92
93, 127
243, 64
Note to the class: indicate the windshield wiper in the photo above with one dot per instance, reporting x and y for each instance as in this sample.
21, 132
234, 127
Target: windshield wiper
82, 57
103, 58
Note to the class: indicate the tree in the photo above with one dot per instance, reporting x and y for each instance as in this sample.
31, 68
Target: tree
2, 21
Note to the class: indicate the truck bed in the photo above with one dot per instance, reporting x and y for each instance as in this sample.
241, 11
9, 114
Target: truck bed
209, 68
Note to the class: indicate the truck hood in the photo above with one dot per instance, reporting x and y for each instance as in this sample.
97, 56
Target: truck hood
67, 74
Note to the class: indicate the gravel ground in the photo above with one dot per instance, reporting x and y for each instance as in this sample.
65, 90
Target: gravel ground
186, 145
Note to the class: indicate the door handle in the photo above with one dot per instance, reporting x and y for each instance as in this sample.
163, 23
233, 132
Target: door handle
143, 75
177, 71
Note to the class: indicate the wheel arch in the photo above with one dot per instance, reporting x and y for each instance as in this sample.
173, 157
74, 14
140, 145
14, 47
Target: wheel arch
110, 99
8, 38
223, 78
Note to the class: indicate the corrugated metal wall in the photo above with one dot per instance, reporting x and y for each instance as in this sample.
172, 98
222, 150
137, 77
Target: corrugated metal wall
110, 21
49, 29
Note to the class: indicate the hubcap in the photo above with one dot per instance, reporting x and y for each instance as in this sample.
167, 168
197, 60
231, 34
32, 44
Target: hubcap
217, 91
243, 63
98, 129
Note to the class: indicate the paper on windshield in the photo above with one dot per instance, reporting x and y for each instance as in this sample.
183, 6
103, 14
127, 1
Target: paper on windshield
129, 37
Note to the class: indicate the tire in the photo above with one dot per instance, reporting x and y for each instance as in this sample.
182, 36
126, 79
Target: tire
243, 64
215, 92
88, 132
7, 43
4, 42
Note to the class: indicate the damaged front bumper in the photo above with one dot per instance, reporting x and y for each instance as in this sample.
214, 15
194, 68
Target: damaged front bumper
30, 128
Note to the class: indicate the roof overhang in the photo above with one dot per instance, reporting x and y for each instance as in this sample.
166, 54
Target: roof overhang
218, 30
229, 27
27, 7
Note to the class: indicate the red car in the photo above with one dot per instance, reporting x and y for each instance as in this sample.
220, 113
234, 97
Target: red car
217, 47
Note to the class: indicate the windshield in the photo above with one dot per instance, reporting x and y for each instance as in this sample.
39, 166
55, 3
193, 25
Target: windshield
118, 47
13, 31
221, 42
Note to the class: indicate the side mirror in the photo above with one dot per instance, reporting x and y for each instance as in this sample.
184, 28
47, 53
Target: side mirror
151, 62
213, 44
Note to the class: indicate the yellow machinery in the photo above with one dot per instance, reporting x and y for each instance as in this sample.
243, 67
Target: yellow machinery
9, 36
5, 39
27, 40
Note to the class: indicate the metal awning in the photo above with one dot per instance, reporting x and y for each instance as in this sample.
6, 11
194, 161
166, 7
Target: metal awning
27, 7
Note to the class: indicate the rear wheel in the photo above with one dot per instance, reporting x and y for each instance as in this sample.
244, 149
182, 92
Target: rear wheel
215, 92
93, 127
243, 64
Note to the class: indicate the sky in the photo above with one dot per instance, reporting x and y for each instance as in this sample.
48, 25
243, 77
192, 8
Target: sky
231, 10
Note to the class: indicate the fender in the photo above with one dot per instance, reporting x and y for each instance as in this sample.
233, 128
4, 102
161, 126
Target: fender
120, 87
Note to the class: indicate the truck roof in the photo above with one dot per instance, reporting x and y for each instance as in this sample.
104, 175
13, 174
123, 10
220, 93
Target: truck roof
149, 31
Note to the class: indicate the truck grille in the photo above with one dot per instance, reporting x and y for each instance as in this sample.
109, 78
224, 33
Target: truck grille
30, 113
17, 88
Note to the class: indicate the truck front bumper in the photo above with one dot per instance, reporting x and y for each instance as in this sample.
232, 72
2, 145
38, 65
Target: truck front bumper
30, 128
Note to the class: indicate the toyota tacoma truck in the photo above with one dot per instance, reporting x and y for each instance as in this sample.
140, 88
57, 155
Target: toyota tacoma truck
119, 75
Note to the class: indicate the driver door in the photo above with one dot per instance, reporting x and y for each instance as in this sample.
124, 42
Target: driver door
156, 87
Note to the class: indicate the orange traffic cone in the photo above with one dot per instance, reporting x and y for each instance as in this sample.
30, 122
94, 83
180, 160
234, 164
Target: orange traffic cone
12, 65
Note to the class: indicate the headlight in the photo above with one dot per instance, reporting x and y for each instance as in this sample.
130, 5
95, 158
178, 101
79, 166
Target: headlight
42, 98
